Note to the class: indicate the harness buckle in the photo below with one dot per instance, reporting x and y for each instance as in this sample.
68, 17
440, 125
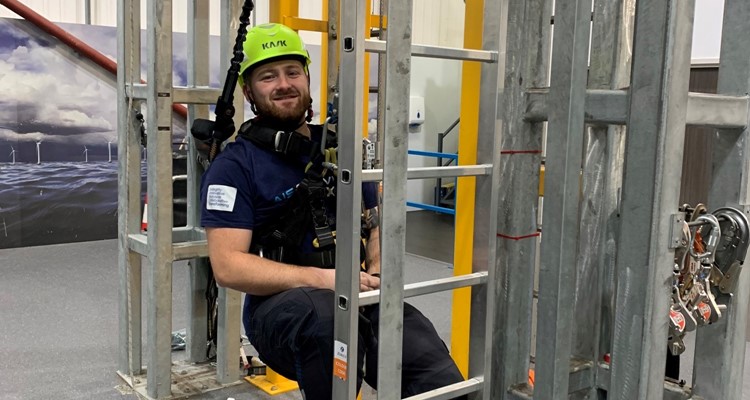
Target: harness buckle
324, 237
277, 141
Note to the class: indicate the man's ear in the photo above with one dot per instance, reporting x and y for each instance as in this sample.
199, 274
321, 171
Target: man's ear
248, 94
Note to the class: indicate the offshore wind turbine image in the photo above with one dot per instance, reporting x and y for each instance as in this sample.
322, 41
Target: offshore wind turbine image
85, 153
38, 152
109, 150
12, 155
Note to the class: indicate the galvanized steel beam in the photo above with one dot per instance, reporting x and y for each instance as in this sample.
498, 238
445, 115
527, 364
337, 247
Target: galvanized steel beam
159, 216
526, 64
197, 75
651, 186
719, 363
605, 106
228, 320
484, 298
393, 228
129, 193
559, 248
612, 33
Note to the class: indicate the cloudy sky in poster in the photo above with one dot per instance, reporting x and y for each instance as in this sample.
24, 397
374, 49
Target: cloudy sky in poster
52, 95
47, 97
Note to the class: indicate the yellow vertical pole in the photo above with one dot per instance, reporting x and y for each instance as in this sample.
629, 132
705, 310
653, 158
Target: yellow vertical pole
467, 155
366, 100
278, 9
324, 63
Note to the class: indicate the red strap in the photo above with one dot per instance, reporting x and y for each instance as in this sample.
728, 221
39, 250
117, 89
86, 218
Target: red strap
520, 151
500, 235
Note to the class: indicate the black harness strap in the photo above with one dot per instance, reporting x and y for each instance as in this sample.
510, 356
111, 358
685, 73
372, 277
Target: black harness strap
306, 208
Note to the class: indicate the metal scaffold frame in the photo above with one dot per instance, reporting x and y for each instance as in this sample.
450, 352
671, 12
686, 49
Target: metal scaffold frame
164, 244
614, 117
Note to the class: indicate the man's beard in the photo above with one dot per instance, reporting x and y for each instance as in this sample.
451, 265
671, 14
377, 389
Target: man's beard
284, 117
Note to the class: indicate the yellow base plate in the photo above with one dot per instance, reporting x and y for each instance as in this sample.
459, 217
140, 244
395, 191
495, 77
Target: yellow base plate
272, 388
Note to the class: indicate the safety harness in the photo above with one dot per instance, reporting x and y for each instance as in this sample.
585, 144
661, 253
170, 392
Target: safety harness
280, 239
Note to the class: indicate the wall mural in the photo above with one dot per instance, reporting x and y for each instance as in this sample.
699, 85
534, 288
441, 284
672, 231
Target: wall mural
58, 132
58, 136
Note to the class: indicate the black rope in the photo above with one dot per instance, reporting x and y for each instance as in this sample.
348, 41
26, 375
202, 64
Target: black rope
216, 132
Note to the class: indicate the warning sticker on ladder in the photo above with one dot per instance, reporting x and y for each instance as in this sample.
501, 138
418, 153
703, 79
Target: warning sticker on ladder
339, 360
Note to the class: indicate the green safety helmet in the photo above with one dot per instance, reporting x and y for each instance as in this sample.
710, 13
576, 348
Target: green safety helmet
267, 42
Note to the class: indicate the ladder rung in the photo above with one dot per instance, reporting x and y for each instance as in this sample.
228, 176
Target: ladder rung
716, 110
138, 242
181, 94
610, 107
470, 385
195, 95
448, 53
188, 250
371, 175
427, 287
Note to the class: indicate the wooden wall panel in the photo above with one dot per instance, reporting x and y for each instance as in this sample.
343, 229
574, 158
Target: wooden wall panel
696, 166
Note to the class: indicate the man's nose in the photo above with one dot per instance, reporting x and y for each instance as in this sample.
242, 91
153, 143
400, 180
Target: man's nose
284, 81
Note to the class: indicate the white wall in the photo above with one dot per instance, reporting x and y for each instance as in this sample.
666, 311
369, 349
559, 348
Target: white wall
438, 82
707, 31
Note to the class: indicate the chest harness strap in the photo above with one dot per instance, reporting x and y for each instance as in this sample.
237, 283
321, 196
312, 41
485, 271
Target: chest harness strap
306, 207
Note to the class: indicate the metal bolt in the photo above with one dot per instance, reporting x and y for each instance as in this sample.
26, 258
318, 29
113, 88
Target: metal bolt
274, 388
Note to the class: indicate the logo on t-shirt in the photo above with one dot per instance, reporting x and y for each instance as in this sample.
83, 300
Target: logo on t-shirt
221, 198
284, 195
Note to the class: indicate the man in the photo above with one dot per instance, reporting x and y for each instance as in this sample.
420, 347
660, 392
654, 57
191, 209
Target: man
269, 212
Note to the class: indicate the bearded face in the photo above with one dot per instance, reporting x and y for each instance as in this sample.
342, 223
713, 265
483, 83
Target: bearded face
280, 92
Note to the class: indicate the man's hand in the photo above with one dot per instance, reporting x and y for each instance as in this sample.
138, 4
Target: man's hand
327, 280
368, 282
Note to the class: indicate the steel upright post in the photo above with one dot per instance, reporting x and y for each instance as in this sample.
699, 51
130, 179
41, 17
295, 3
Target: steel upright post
129, 182
348, 199
197, 76
557, 275
651, 186
159, 118
228, 321
720, 348
484, 298
526, 63
395, 144
612, 32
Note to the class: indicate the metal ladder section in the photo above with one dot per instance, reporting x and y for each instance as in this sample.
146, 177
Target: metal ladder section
395, 142
162, 245
605, 264
606, 249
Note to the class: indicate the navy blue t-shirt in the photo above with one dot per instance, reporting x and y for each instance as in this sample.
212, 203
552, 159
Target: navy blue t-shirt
246, 186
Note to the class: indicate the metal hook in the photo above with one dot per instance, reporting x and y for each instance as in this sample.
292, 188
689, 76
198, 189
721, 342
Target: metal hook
708, 256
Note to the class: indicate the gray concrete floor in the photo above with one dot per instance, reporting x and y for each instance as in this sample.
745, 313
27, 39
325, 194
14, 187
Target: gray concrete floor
59, 309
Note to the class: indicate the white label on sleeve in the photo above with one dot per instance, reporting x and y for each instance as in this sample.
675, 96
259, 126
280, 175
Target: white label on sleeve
221, 198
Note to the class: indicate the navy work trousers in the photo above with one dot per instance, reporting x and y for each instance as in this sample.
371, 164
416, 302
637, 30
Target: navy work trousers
293, 334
